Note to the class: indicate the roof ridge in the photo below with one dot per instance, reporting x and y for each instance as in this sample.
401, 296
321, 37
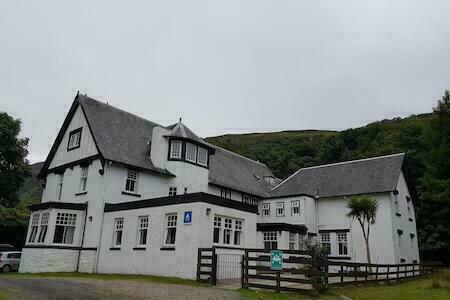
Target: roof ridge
121, 110
351, 161
237, 154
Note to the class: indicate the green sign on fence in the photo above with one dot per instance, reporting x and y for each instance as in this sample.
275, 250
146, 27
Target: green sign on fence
276, 260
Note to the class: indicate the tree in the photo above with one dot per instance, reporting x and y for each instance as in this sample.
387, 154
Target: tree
364, 209
13, 163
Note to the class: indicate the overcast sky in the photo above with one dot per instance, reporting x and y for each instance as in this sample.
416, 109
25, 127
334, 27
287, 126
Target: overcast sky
228, 66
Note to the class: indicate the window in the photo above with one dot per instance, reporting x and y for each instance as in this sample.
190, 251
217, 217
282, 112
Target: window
171, 229
266, 209
292, 239
270, 240
175, 149
227, 231
142, 231
118, 232
202, 158
83, 180
295, 208
65, 228
43, 228
217, 228
279, 209
60, 186
172, 191
325, 241
131, 184
34, 228
74, 139
342, 243
225, 193
247, 199
191, 152
237, 232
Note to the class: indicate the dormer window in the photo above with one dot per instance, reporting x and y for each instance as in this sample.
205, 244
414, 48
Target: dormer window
202, 156
175, 149
191, 152
74, 139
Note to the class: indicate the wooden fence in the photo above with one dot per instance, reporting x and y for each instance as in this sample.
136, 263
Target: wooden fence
303, 271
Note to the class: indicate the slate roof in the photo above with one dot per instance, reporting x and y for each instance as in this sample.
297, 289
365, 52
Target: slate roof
365, 176
182, 131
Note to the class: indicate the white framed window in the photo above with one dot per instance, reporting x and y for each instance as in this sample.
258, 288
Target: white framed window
74, 139
292, 240
118, 232
59, 187
172, 191
202, 158
34, 227
225, 193
325, 242
43, 228
237, 232
266, 209
227, 231
342, 243
175, 149
247, 199
132, 180
142, 230
217, 229
191, 152
83, 179
295, 208
279, 206
171, 229
270, 240
65, 228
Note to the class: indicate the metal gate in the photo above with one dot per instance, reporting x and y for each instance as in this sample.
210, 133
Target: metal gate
229, 269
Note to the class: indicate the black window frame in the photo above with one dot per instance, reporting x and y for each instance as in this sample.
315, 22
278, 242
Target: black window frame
75, 131
183, 152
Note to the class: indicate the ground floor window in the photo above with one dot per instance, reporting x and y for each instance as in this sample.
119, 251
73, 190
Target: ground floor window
270, 240
171, 229
142, 231
34, 227
325, 242
43, 228
342, 243
227, 231
64, 228
292, 240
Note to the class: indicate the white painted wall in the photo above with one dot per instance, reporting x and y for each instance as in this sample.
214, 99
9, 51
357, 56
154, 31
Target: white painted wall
181, 262
48, 260
87, 145
307, 212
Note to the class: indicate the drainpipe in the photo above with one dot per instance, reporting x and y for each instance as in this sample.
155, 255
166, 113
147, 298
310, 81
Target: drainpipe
102, 216
82, 237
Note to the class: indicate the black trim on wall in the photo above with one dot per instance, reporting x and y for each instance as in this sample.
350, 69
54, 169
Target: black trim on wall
114, 249
81, 193
62, 168
333, 230
281, 227
131, 194
59, 247
339, 257
139, 248
167, 249
58, 205
181, 199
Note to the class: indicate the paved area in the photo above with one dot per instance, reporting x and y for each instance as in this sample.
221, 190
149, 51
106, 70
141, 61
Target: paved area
86, 289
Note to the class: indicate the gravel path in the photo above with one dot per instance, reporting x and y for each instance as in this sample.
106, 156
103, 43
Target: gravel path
86, 289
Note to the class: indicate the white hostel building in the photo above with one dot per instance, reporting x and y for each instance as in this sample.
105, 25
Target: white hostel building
126, 195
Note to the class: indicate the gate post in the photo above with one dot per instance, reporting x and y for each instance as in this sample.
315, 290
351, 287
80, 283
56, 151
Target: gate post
214, 267
242, 271
199, 261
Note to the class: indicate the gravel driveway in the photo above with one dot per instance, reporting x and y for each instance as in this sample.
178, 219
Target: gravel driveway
74, 288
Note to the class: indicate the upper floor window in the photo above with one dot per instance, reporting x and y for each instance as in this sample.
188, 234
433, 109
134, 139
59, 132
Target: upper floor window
295, 208
131, 183
74, 139
65, 228
60, 186
118, 231
266, 209
202, 156
247, 199
342, 243
191, 152
225, 193
83, 179
279, 209
325, 242
175, 149
171, 229
142, 231
172, 191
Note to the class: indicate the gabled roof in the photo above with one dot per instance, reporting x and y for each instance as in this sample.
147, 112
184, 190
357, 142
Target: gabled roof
365, 176
179, 130
238, 172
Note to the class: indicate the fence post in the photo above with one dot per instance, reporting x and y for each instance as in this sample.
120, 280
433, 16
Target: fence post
199, 261
278, 282
376, 273
406, 271
356, 275
342, 273
398, 271
214, 267
242, 271
367, 274
387, 273
246, 268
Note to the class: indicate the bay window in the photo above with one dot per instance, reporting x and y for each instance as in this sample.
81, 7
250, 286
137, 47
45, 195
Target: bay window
34, 227
191, 152
202, 158
43, 228
64, 228
175, 149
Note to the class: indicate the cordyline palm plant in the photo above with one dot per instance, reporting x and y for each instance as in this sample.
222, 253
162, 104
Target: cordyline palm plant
364, 209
